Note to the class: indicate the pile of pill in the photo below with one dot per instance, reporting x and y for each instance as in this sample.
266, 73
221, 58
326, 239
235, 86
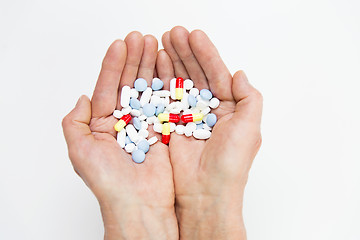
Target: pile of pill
152, 106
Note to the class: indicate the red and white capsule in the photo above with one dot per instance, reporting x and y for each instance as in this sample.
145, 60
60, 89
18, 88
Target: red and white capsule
179, 88
124, 120
192, 117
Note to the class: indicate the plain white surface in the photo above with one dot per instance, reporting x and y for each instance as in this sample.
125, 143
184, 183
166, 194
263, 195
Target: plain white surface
304, 56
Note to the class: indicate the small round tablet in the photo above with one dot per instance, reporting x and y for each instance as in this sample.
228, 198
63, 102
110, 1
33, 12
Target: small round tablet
138, 156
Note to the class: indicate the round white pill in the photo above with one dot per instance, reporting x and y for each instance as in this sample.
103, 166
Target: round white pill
156, 100
142, 117
187, 132
191, 126
206, 110
179, 129
130, 147
172, 126
126, 110
171, 106
188, 84
157, 127
152, 140
187, 111
214, 102
144, 133
206, 127
134, 93
195, 110
201, 134
194, 91
202, 104
151, 120
144, 125
117, 114
175, 110
135, 113
156, 120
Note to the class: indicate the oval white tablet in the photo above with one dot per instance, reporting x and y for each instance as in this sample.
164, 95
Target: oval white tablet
201, 134
121, 138
125, 96
132, 133
146, 96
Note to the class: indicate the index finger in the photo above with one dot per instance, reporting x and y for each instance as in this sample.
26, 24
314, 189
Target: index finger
105, 95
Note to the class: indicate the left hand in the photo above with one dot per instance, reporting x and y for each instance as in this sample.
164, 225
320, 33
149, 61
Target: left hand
136, 200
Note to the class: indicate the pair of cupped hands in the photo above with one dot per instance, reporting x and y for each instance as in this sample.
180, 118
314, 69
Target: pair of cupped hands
191, 189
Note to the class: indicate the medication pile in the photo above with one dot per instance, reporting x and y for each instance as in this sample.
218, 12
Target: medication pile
154, 108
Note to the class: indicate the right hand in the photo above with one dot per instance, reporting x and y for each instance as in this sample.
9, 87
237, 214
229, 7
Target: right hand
210, 176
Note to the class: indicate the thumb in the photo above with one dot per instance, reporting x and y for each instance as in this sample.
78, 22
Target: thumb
248, 99
76, 123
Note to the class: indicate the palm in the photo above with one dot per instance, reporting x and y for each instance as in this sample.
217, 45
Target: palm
194, 56
100, 161
148, 181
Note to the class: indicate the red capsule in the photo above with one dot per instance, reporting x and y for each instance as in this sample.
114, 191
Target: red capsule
165, 133
165, 139
126, 118
179, 88
192, 117
168, 117
179, 83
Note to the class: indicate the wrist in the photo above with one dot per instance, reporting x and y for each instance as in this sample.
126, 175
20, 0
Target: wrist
211, 217
132, 221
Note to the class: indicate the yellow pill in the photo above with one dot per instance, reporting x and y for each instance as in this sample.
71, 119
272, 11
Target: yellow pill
166, 129
168, 117
179, 93
122, 122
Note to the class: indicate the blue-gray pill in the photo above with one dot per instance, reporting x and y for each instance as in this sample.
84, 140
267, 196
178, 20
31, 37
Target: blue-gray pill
192, 100
149, 109
157, 84
211, 119
135, 103
205, 94
138, 156
137, 123
144, 146
160, 109
140, 84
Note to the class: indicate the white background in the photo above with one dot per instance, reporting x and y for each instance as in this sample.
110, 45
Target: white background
304, 56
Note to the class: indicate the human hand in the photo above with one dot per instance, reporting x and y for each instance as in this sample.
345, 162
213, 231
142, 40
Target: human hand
136, 200
210, 176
